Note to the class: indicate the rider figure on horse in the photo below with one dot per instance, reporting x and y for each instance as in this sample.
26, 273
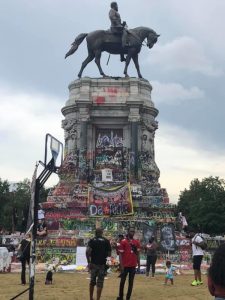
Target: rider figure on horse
117, 27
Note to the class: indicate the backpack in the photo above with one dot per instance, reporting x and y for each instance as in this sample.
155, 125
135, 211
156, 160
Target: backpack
202, 244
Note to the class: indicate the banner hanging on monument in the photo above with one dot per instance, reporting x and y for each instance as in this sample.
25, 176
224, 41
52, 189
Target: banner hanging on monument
110, 201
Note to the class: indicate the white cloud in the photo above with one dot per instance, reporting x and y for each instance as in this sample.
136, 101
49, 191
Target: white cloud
203, 19
24, 121
180, 160
174, 93
183, 53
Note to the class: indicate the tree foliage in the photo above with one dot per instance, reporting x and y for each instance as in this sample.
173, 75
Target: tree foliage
14, 204
203, 204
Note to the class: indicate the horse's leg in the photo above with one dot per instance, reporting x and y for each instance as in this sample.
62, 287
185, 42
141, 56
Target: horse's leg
122, 58
85, 62
135, 60
98, 54
128, 58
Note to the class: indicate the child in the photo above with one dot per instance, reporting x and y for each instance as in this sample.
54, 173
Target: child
169, 272
216, 274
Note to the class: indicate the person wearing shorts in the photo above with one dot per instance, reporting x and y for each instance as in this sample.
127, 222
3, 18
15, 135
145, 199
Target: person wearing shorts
97, 251
197, 254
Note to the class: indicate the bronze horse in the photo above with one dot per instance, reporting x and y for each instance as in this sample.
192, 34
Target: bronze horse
101, 40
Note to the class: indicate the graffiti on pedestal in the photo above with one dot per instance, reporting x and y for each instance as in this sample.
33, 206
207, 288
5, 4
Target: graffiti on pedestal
110, 201
77, 224
57, 242
109, 138
153, 201
52, 225
103, 95
167, 237
151, 188
67, 195
136, 192
165, 195
83, 165
66, 213
110, 158
109, 149
69, 168
148, 167
61, 190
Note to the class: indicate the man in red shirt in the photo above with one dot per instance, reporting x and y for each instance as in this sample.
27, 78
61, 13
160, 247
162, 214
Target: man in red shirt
129, 258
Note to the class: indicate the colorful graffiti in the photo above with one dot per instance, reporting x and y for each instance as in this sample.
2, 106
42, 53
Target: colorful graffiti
110, 158
136, 191
110, 201
61, 255
109, 95
66, 213
109, 138
57, 242
69, 166
109, 151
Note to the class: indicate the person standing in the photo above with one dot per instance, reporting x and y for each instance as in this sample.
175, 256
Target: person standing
97, 251
150, 250
216, 272
24, 248
41, 228
197, 254
129, 251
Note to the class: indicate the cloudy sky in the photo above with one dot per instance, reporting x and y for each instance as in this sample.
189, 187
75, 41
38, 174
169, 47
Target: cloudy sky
185, 68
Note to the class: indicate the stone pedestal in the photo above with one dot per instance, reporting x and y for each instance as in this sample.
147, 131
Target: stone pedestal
109, 170
115, 109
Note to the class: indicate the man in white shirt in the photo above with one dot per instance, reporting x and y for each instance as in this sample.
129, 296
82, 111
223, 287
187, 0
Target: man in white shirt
197, 254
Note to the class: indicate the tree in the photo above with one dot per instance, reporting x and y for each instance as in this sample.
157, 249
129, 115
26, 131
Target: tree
14, 205
204, 204
4, 202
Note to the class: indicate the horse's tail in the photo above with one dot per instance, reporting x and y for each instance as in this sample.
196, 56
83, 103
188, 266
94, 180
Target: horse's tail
78, 40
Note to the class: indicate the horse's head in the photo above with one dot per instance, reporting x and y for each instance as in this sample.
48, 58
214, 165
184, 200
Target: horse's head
152, 38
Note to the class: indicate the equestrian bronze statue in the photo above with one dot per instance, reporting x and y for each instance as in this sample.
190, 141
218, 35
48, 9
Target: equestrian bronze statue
100, 40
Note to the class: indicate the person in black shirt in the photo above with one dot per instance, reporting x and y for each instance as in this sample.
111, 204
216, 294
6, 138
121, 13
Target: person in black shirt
97, 251
24, 248
41, 228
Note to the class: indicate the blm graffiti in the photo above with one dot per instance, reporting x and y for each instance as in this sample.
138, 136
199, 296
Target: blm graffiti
110, 201
168, 240
109, 148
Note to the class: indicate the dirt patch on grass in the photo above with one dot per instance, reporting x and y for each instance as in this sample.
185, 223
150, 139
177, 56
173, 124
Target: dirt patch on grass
74, 286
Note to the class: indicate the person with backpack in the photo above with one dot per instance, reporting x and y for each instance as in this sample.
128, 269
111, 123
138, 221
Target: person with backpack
198, 244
